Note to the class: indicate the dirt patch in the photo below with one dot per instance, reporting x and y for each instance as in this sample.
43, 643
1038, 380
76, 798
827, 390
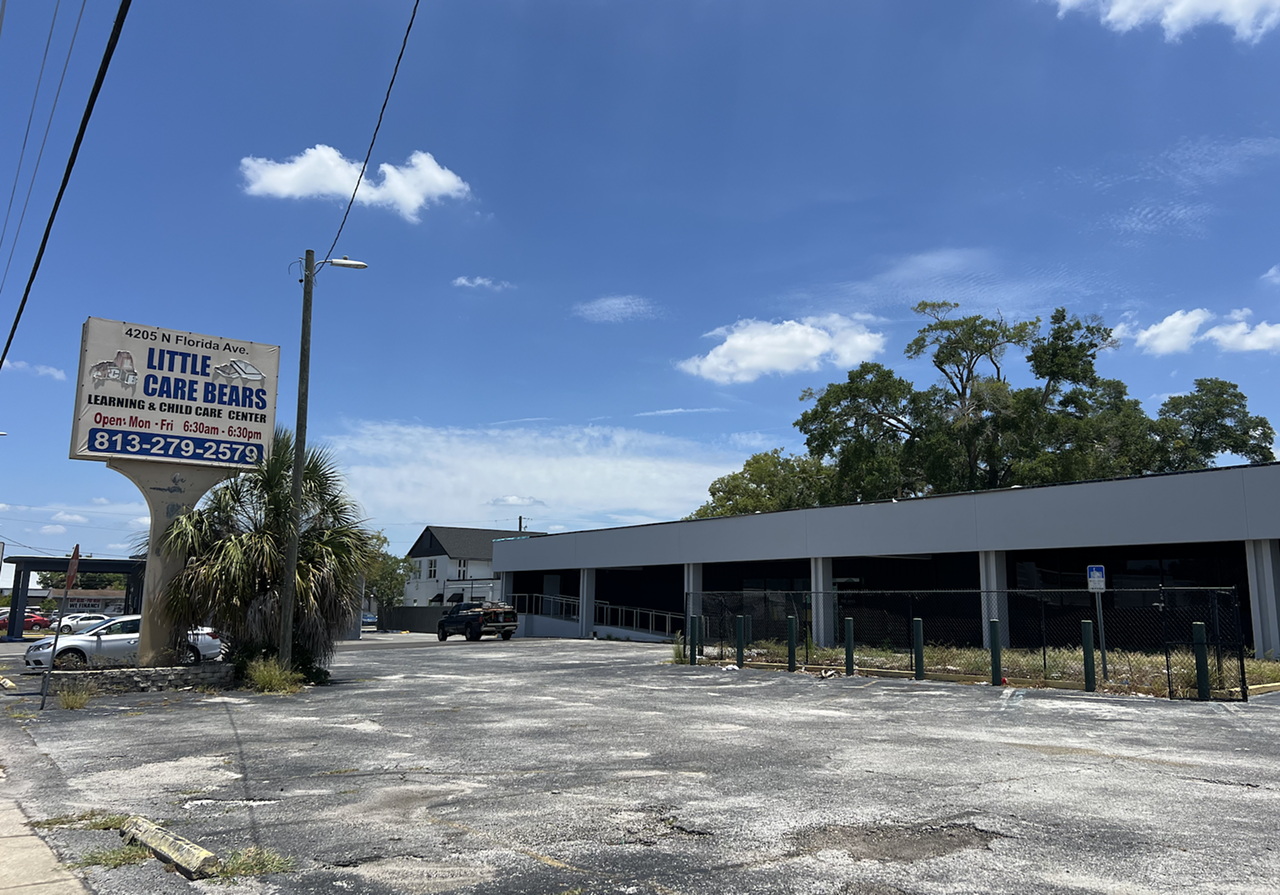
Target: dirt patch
905, 843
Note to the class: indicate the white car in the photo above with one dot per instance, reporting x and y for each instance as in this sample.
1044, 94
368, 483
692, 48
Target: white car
114, 642
81, 621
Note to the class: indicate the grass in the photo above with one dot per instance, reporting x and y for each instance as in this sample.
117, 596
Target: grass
76, 693
19, 712
254, 861
1129, 671
111, 858
97, 819
678, 656
267, 675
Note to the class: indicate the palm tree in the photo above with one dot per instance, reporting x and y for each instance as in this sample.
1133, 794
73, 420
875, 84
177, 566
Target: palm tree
234, 544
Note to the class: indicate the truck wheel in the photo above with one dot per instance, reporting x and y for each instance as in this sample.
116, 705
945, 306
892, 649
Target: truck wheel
506, 635
473, 633
440, 632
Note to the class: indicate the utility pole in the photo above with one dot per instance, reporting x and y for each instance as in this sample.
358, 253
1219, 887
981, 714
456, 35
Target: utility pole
289, 586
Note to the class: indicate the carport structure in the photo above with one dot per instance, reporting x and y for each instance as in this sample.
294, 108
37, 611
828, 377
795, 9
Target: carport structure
132, 569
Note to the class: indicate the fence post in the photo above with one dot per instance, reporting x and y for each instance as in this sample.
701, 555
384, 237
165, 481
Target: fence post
791, 643
702, 635
691, 641
1086, 640
750, 639
1200, 643
917, 637
997, 663
848, 647
740, 633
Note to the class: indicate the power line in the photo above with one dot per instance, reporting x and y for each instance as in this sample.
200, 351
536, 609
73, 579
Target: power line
374, 139
40, 155
71, 163
22, 153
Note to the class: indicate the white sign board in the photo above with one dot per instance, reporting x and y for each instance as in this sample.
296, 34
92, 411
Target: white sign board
1097, 577
147, 393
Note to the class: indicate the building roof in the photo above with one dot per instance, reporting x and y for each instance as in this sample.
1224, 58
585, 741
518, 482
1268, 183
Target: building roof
460, 543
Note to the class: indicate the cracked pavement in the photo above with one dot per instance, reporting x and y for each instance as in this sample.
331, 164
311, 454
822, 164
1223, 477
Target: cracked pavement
548, 766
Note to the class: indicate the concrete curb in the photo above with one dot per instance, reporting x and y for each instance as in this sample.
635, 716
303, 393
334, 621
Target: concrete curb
191, 860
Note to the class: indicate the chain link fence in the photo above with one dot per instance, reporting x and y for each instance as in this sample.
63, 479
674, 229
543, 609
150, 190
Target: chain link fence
1142, 639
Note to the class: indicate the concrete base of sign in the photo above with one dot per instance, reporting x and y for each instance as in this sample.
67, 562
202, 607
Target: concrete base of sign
169, 489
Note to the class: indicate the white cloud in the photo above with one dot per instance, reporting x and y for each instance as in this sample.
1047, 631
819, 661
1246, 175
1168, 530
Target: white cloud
1239, 336
1157, 217
1175, 333
586, 476
4, 508
120, 546
752, 348
513, 500
141, 522
1272, 276
101, 501
53, 530
676, 410
974, 278
35, 369
76, 518
482, 283
321, 171
1250, 19
616, 309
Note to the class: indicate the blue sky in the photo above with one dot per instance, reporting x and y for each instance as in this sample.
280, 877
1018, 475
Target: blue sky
610, 243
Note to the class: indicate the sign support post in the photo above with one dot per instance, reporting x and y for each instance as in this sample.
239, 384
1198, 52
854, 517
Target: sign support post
1097, 577
72, 568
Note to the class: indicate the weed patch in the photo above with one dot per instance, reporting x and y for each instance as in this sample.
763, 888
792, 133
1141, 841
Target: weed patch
267, 675
254, 861
111, 858
97, 819
76, 693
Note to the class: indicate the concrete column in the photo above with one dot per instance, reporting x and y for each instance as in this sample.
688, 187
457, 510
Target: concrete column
508, 586
994, 578
587, 602
824, 601
169, 490
692, 591
1263, 559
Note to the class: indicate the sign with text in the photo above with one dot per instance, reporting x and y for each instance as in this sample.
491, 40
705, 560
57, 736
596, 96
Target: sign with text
147, 393
1097, 578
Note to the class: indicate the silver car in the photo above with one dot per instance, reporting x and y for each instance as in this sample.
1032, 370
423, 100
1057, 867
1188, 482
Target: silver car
114, 643
81, 621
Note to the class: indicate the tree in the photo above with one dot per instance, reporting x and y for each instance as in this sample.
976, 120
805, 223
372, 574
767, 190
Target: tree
386, 577
1212, 420
767, 482
84, 580
876, 436
234, 543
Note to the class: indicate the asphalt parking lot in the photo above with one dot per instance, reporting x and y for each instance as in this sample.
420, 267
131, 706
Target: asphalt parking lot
572, 767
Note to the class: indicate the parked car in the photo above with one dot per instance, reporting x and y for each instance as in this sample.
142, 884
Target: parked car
115, 642
477, 619
81, 621
368, 618
31, 622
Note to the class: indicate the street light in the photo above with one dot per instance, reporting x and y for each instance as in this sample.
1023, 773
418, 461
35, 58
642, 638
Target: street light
289, 587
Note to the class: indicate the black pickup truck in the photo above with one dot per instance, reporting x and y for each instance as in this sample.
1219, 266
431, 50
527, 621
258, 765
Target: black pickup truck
474, 620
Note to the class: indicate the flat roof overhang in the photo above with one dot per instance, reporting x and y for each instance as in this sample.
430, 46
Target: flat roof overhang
1234, 503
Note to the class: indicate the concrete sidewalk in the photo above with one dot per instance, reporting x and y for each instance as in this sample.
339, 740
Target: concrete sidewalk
30, 867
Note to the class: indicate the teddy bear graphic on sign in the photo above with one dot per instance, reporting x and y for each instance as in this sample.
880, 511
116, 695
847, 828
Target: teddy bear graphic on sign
121, 370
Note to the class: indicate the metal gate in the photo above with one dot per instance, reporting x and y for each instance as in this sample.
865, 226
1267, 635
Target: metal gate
1219, 610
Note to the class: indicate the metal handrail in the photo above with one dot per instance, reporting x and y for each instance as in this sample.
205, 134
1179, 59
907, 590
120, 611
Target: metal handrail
547, 605
635, 618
